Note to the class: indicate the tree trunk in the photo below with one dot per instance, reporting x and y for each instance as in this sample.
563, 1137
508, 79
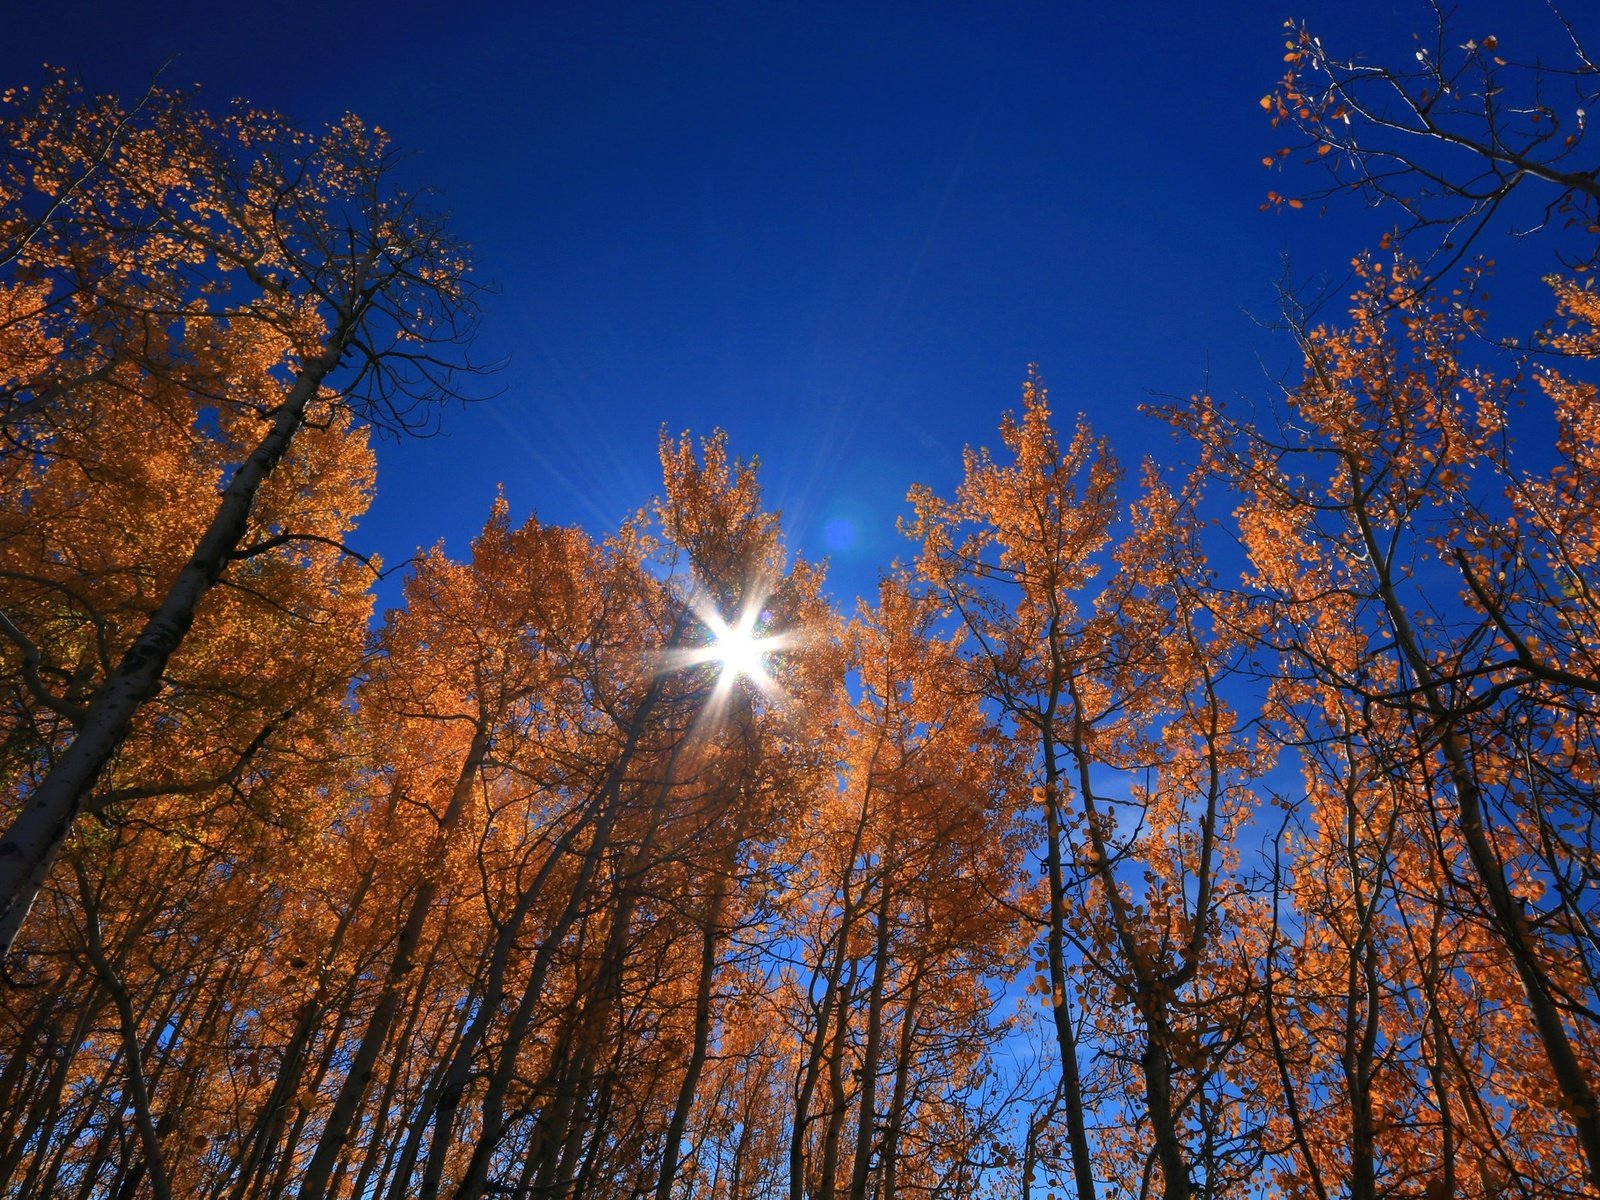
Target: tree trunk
29, 848
608, 811
1579, 1102
849, 904
889, 1155
711, 934
866, 1107
1055, 953
568, 1087
152, 1162
336, 1131
261, 1142
833, 1132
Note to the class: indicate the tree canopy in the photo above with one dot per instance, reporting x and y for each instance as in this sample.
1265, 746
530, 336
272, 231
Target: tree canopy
1219, 824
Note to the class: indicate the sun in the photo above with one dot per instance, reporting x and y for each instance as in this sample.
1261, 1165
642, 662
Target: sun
737, 647
741, 648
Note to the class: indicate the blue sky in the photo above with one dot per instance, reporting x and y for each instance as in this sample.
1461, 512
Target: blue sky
839, 231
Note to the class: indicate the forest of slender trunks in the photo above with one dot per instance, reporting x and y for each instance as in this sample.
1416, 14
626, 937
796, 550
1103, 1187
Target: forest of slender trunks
1221, 826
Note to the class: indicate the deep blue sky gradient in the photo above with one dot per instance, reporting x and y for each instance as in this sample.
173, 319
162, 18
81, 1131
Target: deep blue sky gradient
840, 231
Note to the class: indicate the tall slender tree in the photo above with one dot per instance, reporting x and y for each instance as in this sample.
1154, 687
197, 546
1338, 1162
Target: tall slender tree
226, 273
